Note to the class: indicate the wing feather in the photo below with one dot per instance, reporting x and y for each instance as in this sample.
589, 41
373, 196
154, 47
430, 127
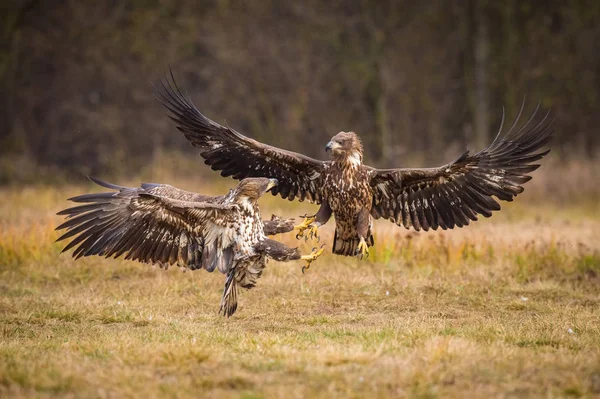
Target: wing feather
454, 194
236, 155
153, 224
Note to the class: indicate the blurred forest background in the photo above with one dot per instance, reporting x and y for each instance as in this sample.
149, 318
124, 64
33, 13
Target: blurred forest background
418, 80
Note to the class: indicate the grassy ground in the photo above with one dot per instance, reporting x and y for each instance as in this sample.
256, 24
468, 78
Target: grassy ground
506, 307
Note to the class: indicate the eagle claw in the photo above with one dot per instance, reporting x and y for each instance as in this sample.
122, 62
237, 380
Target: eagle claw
363, 249
316, 252
307, 225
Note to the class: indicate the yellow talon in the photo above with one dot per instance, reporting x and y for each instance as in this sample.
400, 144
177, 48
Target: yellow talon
307, 225
316, 252
363, 249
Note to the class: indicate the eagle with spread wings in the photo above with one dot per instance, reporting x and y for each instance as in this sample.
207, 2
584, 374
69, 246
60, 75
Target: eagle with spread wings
445, 197
163, 225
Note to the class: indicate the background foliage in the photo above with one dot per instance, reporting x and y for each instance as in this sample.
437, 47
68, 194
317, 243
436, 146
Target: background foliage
418, 80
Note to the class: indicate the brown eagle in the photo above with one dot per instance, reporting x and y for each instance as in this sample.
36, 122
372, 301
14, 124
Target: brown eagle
161, 224
447, 196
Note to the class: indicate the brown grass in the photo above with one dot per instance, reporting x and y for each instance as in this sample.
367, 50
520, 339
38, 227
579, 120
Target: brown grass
506, 307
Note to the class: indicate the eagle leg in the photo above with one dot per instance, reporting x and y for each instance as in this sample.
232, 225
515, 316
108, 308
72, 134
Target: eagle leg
307, 225
363, 249
316, 252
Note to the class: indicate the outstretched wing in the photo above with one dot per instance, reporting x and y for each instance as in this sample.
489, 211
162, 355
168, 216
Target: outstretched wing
454, 194
149, 224
238, 156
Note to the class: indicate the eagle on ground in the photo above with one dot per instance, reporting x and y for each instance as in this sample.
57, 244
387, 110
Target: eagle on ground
163, 225
445, 197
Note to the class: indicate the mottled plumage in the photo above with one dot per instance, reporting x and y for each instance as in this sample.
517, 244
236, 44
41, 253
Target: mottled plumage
164, 225
447, 196
278, 225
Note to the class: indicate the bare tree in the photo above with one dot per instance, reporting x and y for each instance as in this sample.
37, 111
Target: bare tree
482, 49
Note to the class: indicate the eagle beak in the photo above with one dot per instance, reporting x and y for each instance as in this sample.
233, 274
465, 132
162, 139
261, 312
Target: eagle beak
332, 146
272, 183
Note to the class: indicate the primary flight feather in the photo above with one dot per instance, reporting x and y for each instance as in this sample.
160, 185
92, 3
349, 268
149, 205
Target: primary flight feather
420, 198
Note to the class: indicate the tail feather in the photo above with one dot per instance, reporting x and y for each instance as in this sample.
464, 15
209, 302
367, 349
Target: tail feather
350, 246
229, 300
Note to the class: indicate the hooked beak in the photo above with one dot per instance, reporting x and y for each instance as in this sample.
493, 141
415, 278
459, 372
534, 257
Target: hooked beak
272, 183
331, 146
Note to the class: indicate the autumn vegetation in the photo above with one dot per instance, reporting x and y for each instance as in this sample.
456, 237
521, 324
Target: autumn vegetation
506, 307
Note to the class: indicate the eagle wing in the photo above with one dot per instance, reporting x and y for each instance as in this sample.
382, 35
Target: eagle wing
149, 224
454, 194
239, 156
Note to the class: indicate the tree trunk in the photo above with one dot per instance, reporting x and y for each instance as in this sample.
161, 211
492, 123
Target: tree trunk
481, 48
383, 119
11, 21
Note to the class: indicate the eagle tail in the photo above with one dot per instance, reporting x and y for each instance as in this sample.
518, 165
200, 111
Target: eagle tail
350, 246
229, 300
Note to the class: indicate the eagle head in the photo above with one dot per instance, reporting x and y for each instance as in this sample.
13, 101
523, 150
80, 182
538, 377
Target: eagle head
253, 188
346, 146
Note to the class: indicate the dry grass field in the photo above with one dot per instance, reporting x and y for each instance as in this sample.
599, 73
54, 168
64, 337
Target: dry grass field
508, 307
